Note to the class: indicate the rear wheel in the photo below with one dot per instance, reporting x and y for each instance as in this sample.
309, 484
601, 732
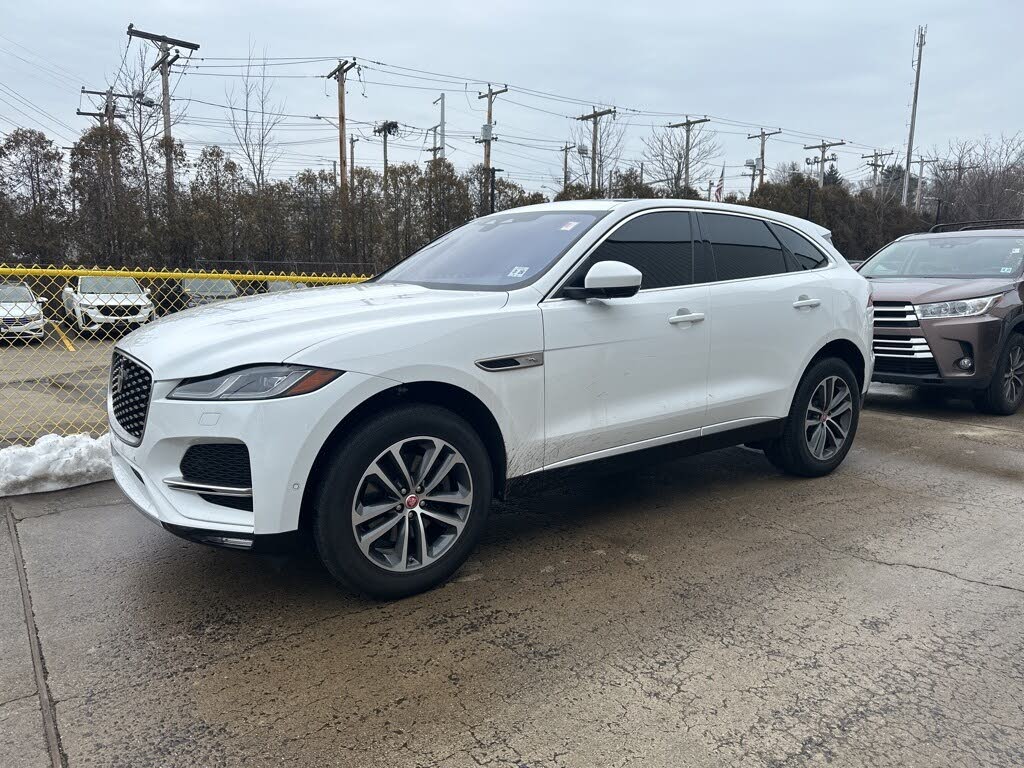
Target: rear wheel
1006, 391
403, 502
822, 421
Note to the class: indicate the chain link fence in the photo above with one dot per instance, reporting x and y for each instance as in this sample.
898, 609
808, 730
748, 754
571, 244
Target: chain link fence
58, 327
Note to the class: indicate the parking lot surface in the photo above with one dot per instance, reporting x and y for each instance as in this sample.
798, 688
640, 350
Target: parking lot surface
706, 611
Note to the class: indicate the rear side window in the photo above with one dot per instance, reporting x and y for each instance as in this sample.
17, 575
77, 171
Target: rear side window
807, 256
743, 247
659, 245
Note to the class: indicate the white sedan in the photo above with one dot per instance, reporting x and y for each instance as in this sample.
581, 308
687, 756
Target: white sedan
382, 418
21, 313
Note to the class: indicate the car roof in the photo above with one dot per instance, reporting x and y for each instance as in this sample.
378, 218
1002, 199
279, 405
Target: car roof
627, 206
965, 233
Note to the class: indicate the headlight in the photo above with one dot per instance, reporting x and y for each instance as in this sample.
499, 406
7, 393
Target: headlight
965, 308
258, 382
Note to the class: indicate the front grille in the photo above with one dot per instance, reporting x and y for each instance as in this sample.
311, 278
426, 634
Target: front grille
130, 389
910, 366
119, 310
224, 464
895, 314
13, 322
901, 346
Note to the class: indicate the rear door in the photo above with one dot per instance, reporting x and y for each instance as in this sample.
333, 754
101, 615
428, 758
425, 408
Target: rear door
769, 315
619, 372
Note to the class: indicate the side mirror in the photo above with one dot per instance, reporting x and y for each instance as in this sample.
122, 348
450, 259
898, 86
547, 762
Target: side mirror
607, 280
41, 300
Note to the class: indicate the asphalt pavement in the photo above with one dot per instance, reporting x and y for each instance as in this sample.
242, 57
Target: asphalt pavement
702, 612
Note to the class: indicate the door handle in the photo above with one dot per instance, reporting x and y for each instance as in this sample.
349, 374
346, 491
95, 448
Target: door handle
686, 317
806, 302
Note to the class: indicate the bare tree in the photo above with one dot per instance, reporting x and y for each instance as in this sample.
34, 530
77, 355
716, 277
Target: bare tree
784, 172
665, 152
253, 117
611, 141
142, 121
981, 179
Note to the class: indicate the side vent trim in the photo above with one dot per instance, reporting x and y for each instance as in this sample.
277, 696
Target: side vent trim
511, 362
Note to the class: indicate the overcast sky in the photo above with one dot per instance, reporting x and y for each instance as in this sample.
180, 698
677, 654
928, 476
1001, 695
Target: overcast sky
840, 70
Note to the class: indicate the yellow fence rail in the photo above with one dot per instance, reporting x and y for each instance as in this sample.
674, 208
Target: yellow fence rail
58, 326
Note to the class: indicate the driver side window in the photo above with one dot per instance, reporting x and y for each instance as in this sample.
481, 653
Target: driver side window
659, 245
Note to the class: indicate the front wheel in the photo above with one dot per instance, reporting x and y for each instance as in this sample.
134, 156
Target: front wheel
822, 421
403, 502
1006, 392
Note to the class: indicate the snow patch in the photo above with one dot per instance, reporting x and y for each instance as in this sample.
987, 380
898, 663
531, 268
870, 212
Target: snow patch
53, 463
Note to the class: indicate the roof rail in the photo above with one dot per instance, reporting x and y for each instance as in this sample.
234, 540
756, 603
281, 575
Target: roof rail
961, 226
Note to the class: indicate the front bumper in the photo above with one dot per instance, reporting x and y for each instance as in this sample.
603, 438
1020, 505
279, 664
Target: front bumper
948, 341
283, 437
92, 319
33, 330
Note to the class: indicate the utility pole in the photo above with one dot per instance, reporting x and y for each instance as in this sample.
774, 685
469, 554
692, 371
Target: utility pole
753, 175
434, 149
163, 63
565, 165
921, 31
875, 165
920, 180
487, 131
385, 129
824, 147
594, 117
763, 136
352, 164
493, 172
611, 187
338, 73
687, 125
441, 99
710, 184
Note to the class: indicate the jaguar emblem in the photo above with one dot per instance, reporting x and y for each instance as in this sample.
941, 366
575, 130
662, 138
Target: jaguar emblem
116, 380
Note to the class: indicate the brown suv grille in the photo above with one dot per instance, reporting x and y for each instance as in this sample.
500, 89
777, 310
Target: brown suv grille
895, 314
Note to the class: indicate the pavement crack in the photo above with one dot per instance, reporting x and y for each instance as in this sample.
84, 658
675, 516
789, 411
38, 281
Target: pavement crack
896, 563
18, 698
57, 757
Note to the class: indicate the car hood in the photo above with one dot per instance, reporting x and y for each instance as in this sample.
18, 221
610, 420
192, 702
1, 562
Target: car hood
122, 299
924, 290
18, 308
270, 328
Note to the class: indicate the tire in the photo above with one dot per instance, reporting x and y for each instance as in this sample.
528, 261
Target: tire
1004, 394
792, 452
378, 570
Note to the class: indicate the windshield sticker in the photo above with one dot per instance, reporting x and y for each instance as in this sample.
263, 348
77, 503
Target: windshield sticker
569, 225
519, 271
1006, 270
1015, 250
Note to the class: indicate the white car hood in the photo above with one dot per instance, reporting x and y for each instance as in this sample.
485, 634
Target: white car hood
18, 308
116, 299
270, 328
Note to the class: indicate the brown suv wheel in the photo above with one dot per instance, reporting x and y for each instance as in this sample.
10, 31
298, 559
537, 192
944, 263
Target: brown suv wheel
1003, 396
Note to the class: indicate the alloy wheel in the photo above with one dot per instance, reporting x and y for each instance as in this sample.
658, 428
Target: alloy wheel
412, 504
829, 417
1013, 379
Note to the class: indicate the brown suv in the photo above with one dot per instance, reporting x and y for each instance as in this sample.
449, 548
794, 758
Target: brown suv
948, 311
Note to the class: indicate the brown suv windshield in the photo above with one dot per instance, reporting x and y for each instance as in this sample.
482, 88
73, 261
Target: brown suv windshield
959, 256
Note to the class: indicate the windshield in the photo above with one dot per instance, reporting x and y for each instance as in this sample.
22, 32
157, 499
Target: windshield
15, 293
967, 256
108, 285
209, 285
499, 252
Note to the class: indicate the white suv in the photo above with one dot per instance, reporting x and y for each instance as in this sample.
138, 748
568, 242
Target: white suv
383, 417
94, 302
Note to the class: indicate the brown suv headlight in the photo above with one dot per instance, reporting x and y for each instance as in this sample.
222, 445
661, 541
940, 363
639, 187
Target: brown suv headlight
964, 308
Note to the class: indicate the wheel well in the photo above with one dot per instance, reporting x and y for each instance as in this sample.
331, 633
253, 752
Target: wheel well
847, 351
455, 399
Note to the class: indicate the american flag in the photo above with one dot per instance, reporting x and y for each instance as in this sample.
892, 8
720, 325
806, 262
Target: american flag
720, 189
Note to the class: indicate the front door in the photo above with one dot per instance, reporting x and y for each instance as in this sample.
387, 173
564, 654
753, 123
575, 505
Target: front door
622, 372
